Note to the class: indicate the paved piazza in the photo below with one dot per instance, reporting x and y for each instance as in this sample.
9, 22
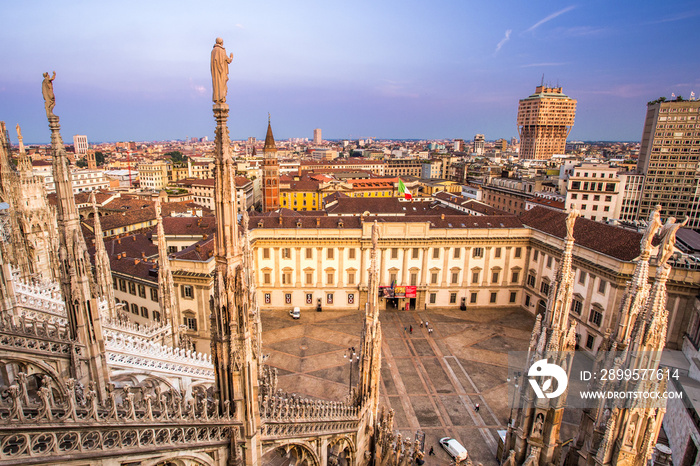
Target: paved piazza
432, 381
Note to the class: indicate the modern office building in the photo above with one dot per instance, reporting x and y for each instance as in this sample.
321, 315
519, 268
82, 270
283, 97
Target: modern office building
80, 144
545, 120
668, 157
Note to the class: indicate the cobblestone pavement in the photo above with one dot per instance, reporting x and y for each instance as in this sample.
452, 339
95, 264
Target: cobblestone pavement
433, 381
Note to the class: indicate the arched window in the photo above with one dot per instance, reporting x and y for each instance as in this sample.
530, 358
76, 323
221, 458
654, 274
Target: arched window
156, 316
134, 308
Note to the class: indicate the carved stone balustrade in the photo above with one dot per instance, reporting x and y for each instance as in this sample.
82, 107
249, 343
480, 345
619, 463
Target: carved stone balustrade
19, 333
33, 429
124, 351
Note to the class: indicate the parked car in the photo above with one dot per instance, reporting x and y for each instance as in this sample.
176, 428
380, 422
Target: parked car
454, 448
295, 313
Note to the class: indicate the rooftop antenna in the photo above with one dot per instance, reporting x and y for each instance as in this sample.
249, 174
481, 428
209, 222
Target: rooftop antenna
542, 82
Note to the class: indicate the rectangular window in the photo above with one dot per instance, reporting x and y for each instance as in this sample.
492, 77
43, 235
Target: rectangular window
602, 285
595, 318
589, 342
309, 278
472, 297
453, 298
172, 249
266, 253
535, 255
433, 298
351, 278
478, 252
414, 279
154, 294
515, 276
330, 278
527, 300
544, 287
436, 253
493, 297
329, 253
142, 291
392, 278
286, 278
132, 288
531, 280
494, 277
582, 277
457, 253
433, 278
394, 253
475, 277
186, 291
134, 308
497, 253
144, 312
576, 306
309, 253
518, 252
455, 278
266, 278
549, 262
286, 253
191, 323
351, 253
513, 296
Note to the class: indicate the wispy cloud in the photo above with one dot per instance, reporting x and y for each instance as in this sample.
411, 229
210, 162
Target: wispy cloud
581, 31
549, 18
539, 65
239, 26
505, 39
676, 17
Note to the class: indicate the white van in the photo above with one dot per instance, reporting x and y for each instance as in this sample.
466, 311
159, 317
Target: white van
454, 448
295, 313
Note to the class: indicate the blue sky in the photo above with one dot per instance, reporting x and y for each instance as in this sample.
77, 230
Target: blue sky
135, 70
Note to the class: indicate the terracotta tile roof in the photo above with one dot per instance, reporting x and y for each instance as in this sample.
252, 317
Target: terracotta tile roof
199, 251
135, 268
607, 239
388, 205
196, 226
133, 246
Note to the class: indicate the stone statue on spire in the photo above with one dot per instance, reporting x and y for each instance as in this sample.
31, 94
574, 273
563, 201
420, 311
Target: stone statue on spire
654, 224
47, 92
668, 240
219, 71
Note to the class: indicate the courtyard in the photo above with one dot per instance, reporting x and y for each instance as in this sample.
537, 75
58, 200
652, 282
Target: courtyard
432, 381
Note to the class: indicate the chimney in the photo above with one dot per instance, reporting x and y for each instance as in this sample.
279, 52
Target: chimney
119, 240
197, 247
280, 219
134, 238
143, 255
318, 222
442, 216
136, 261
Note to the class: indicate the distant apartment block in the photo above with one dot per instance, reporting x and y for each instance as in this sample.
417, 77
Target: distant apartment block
403, 167
80, 144
594, 189
668, 157
317, 136
545, 120
83, 181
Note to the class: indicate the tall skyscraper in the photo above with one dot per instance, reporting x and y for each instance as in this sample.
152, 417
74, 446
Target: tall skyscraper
479, 144
668, 157
80, 144
271, 173
545, 120
317, 136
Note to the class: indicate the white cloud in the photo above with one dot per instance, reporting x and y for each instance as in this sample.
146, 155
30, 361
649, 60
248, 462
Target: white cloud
549, 18
239, 26
505, 39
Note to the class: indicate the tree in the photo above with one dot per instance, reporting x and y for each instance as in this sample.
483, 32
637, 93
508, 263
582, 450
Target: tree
99, 158
81, 163
176, 156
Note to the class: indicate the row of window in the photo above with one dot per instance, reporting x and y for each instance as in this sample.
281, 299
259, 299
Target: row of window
134, 288
286, 253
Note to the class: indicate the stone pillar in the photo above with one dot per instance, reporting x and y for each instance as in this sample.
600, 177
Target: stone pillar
297, 268
341, 269
277, 269
319, 265
404, 267
424, 267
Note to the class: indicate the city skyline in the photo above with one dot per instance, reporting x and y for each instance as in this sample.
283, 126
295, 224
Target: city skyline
390, 71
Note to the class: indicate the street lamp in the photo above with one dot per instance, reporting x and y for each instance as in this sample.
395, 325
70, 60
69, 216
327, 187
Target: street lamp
516, 378
351, 356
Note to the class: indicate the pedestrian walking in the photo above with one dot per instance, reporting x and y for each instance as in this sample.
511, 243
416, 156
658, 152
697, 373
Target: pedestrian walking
476, 408
426, 324
410, 329
404, 329
431, 452
421, 324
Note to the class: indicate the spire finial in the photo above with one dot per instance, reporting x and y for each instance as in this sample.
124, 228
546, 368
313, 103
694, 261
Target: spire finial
268, 118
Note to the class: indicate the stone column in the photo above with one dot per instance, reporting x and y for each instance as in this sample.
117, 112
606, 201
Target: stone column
445, 270
404, 267
277, 268
341, 269
363, 268
487, 272
319, 265
505, 279
424, 267
297, 268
